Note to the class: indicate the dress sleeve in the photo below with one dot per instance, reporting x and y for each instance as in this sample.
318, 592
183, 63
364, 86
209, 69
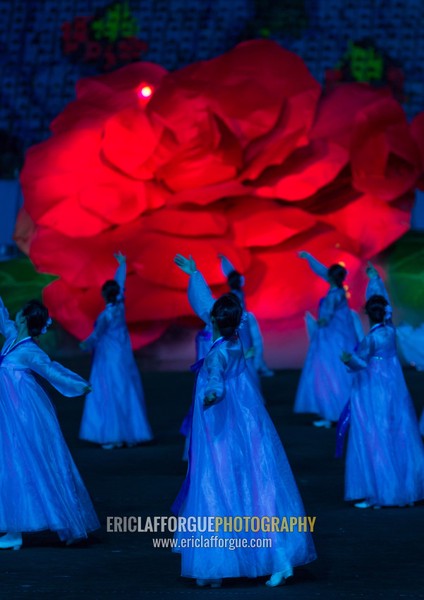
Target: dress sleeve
120, 278
328, 306
257, 341
100, 328
226, 266
65, 381
317, 267
376, 286
361, 357
200, 296
215, 364
7, 326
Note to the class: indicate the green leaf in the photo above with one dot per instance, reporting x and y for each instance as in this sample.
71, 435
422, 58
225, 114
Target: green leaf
20, 282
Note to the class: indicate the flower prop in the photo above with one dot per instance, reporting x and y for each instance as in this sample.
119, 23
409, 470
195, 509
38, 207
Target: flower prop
239, 155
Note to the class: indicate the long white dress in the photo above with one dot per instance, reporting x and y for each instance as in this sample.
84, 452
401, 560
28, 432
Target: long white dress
385, 453
410, 341
324, 386
114, 412
237, 467
40, 484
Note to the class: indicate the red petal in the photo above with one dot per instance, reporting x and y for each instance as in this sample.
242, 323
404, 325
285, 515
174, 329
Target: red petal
385, 160
129, 140
370, 222
306, 171
265, 223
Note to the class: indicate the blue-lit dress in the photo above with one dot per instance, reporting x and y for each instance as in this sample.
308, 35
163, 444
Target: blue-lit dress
202, 301
252, 336
385, 453
324, 386
114, 412
237, 467
40, 487
410, 343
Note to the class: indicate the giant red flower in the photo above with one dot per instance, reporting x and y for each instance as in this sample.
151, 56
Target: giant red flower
239, 155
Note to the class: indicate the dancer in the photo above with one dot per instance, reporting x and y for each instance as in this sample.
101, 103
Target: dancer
40, 484
236, 283
114, 412
324, 385
201, 300
385, 454
237, 464
409, 341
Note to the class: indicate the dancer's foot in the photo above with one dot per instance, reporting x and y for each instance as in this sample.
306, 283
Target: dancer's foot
214, 583
265, 372
322, 423
11, 541
111, 446
72, 541
364, 504
279, 578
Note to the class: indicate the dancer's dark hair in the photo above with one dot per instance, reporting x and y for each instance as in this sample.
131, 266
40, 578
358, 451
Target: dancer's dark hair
338, 274
376, 308
235, 280
111, 291
36, 315
227, 312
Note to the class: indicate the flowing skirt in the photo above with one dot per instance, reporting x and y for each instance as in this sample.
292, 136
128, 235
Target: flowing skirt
238, 467
325, 383
115, 412
40, 484
385, 453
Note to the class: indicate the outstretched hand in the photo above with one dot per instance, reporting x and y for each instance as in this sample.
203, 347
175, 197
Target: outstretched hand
120, 257
345, 357
187, 265
209, 399
371, 271
249, 353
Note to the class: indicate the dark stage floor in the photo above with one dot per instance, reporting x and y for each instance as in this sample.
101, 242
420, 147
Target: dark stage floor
367, 554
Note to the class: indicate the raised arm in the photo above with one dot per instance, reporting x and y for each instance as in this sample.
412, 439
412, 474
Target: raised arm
317, 267
375, 284
121, 273
7, 326
65, 381
226, 266
199, 293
